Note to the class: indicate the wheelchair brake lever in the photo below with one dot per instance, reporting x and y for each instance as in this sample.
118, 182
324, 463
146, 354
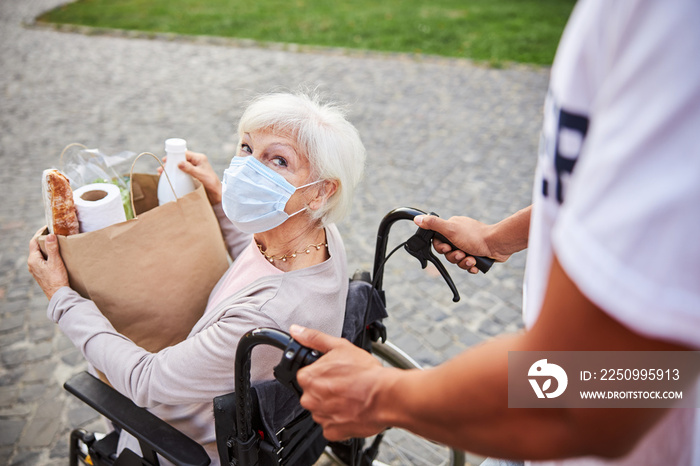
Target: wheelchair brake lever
295, 357
420, 246
482, 263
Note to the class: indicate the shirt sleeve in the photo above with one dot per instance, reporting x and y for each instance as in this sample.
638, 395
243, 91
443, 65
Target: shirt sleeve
235, 239
195, 370
629, 227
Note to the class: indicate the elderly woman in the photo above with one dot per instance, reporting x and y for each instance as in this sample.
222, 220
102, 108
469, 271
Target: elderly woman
297, 164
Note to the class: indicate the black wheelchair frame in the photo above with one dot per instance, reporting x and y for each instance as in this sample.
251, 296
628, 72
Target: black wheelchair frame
262, 424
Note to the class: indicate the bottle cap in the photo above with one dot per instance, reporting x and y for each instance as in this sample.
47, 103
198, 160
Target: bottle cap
175, 145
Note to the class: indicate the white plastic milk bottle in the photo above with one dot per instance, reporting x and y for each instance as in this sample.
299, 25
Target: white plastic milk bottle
175, 149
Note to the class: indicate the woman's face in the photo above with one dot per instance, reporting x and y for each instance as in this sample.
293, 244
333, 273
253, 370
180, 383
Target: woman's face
281, 154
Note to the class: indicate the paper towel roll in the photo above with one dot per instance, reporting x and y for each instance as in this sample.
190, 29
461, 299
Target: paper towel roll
99, 205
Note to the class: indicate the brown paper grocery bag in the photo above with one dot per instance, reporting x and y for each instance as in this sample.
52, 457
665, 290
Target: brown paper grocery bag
150, 276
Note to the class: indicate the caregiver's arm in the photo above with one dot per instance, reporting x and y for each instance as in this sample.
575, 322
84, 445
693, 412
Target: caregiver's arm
464, 402
474, 238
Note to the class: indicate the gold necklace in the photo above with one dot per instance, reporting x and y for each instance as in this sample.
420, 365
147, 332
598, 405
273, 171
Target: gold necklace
283, 258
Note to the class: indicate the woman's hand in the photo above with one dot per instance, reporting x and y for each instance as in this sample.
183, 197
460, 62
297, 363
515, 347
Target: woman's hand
49, 273
198, 167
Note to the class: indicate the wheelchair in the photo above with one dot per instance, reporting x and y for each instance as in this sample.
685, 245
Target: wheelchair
264, 424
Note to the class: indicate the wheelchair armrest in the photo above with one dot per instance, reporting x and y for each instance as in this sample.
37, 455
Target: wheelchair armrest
151, 431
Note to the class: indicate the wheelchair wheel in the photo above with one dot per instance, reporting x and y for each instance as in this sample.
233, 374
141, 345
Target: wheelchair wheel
401, 447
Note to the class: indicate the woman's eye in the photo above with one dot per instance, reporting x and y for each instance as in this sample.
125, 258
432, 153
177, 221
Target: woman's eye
246, 148
279, 161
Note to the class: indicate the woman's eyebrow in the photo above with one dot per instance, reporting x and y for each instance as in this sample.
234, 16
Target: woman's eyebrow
284, 144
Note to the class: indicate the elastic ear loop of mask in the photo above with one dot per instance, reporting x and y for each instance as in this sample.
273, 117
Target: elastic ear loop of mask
301, 187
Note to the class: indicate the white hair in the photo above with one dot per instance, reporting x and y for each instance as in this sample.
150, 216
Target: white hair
321, 131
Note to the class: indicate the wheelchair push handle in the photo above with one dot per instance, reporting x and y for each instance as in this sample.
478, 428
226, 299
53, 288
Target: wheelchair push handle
483, 263
294, 357
419, 246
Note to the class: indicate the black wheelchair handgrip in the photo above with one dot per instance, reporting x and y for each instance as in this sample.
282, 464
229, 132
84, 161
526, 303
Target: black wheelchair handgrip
311, 357
482, 263
294, 357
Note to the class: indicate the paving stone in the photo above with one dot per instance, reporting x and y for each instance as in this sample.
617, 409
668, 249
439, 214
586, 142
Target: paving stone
417, 349
468, 338
11, 338
10, 430
61, 342
32, 392
13, 356
41, 429
60, 450
42, 331
438, 339
26, 458
427, 358
14, 411
39, 371
505, 314
17, 292
5, 454
82, 415
52, 461
420, 325
10, 376
38, 303
452, 351
468, 311
490, 328
40, 351
73, 358
10, 322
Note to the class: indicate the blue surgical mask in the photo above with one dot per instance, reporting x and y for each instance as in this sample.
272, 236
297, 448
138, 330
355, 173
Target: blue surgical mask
254, 196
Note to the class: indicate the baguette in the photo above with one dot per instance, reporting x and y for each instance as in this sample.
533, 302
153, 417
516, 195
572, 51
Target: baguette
59, 208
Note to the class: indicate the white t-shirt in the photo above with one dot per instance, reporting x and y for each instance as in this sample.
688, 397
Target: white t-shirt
617, 189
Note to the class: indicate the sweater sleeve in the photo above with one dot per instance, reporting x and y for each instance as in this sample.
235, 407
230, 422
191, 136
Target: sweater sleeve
195, 370
235, 239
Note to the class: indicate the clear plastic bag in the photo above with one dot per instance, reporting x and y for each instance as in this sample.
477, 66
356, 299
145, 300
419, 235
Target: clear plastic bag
87, 166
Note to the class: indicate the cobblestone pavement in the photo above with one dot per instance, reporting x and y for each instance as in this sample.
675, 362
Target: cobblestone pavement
442, 135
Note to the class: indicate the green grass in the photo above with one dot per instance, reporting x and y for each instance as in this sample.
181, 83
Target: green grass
494, 31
